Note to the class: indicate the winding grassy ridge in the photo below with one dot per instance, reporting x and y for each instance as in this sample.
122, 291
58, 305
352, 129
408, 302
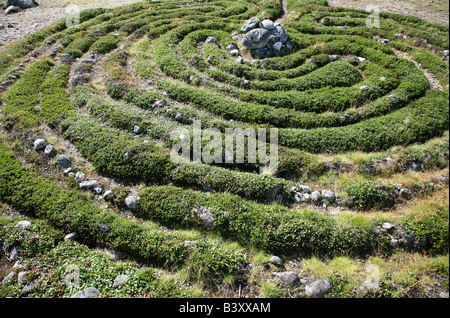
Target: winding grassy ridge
116, 93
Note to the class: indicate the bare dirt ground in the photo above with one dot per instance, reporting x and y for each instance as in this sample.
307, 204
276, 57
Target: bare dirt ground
431, 10
20, 24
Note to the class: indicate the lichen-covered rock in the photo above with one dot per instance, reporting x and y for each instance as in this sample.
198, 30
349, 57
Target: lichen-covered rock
251, 24
256, 39
318, 288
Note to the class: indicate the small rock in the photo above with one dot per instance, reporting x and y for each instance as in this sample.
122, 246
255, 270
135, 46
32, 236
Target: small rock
211, 40
304, 188
39, 144
364, 88
21, 277
394, 242
288, 278
88, 61
404, 193
316, 197
334, 57
104, 228
388, 226
71, 237
107, 195
88, 184
393, 97
11, 9
361, 59
120, 280
400, 36
64, 161
276, 260
235, 52
298, 197
231, 47
318, 288
368, 285
90, 292
268, 24
98, 190
23, 224
14, 253
50, 151
407, 240
329, 195
277, 46
251, 24
8, 278
137, 130
30, 286
204, 216
131, 202
79, 176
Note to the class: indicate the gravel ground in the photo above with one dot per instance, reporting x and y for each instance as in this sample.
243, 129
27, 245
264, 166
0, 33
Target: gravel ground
19, 24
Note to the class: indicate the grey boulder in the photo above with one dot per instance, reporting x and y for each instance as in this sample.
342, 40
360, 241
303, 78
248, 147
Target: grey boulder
318, 288
23, 224
256, 39
50, 151
276, 260
329, 195
64, 161
39, 144
268, 25
131, 202
120, 280
88, 184
288, 278
211, 40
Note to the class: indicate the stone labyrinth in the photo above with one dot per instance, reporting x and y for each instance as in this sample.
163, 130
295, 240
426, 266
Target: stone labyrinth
88, 112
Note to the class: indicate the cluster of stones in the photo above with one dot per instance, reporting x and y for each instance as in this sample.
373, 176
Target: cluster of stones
14, 75
304, 195
312, 287
265, 38
66, 163
29, 285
